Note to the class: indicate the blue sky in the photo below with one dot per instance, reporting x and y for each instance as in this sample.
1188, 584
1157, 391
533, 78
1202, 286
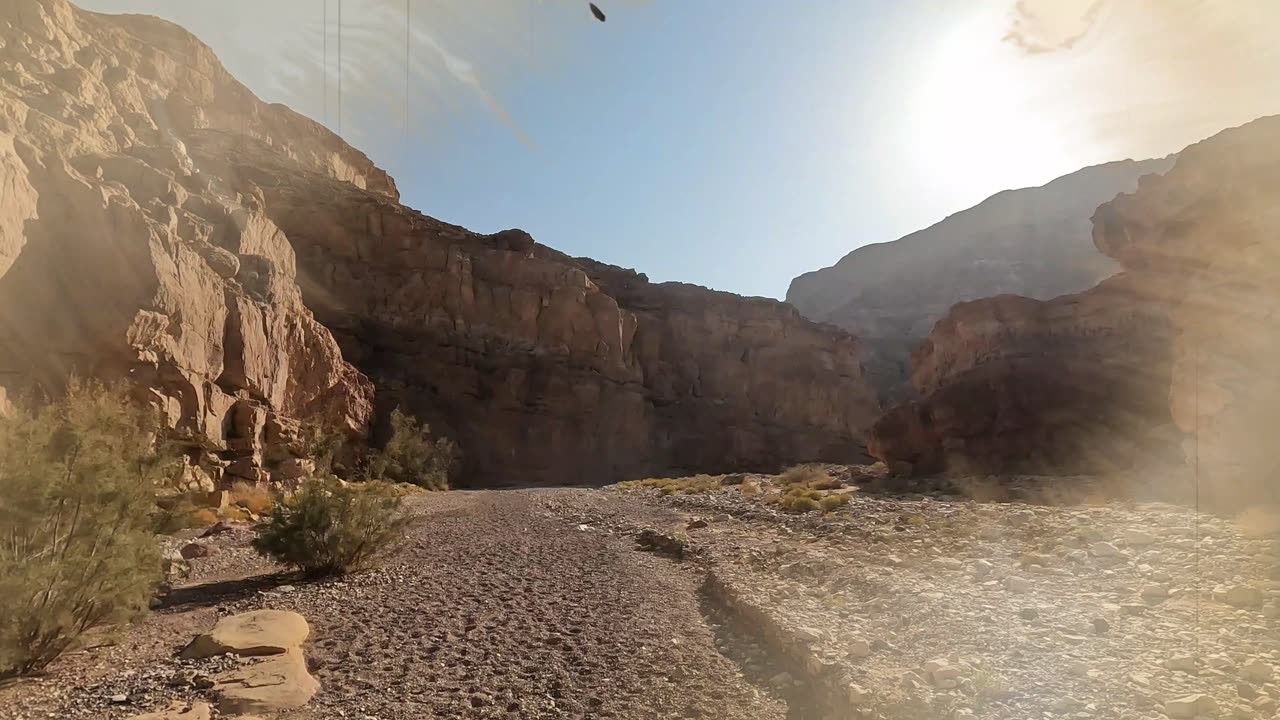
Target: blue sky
731, 144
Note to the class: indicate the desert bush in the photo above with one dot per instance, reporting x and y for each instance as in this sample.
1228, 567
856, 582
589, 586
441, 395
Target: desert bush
78, 480
803, 474
412, 456
800, 503
833, 501
257, 499
329, 527
694, 485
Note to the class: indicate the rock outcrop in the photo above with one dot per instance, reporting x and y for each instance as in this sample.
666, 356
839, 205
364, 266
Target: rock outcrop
248, 271
1209, 231
551, 369
121, 258
1077, 384
1033, 242
1179, 350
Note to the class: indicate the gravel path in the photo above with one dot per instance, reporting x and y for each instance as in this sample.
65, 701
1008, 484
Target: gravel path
496, 607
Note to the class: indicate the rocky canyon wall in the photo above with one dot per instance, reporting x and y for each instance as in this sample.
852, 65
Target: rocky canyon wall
248, 271
1033, 242
1210, 232
554, 369
1174, 356
1077, 384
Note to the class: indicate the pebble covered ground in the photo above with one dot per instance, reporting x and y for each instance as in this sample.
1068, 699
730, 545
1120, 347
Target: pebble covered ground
495, 607
540, 604
943, 607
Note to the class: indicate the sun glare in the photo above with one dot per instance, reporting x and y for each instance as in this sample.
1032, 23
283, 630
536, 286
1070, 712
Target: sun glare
979, 104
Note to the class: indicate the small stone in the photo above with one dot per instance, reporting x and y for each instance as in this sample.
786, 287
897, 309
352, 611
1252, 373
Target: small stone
697, 523
119, 699
1104, 549
982, 568
1155, 592
1029, 613
1015, 584
1181, 663
808, 634
1243, 596
1257, 671
1138, 538
1101, 626
858, 695
191, 551
859, 649
781, 680
1191, 706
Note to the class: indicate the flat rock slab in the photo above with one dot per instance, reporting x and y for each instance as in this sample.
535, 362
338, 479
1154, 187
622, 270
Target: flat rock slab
262, 632
270, 684
179, 711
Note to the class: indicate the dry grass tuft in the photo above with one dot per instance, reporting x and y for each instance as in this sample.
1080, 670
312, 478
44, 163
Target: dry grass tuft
257, 499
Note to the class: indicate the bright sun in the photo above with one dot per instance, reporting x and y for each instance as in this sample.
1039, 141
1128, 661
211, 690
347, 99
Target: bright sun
982, 118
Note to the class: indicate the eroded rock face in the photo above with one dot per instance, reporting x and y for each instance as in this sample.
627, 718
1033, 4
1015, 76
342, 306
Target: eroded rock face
1077, 384
551, 369
170, 228
122, 258
1210, 231
1033, 242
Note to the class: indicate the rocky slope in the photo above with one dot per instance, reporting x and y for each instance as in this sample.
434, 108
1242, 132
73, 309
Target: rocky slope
1187, 335
248, 270
1077, 384
1032, 242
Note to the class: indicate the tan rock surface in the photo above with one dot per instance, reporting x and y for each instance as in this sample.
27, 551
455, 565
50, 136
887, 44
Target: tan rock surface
265, 685
552, 369
261, 632
179, 710
120, 257
169, 227
1209, 230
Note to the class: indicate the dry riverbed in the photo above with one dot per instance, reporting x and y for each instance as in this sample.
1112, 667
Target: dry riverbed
627, 603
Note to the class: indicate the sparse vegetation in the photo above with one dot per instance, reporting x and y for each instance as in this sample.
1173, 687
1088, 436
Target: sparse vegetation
676, 486
78, 480
809, 477
800, 503
257, 499
329, 527
412, 456
833, 501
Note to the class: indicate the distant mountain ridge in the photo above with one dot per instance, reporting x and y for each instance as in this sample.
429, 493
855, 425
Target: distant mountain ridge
1034, 242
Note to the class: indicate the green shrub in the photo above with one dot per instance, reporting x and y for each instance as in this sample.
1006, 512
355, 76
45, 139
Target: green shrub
330, 527
412, 456
78, 481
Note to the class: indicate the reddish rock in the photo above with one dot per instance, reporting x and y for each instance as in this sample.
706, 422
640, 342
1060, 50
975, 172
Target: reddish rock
552, 369
1077, 384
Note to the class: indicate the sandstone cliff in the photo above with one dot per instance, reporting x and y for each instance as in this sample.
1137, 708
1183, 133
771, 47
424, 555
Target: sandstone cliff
247, 270
1077, 384
548, 368
1209, 231
1033, 242
1177, 352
